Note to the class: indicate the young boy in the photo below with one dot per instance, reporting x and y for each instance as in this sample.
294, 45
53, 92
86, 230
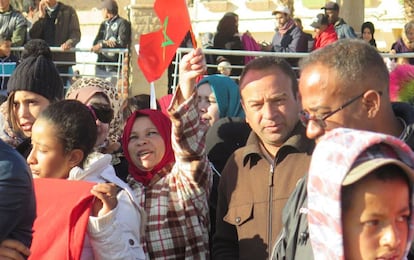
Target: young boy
7, 63
359, 196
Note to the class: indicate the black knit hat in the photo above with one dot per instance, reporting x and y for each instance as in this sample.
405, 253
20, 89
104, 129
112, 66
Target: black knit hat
36, 47
37, 74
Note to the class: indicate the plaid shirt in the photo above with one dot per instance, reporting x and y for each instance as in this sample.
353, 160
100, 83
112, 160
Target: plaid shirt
176, 203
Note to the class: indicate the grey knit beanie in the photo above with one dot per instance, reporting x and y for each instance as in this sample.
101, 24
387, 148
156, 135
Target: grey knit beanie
37, 74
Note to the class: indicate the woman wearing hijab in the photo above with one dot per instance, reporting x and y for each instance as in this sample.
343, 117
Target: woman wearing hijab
218, 97
103, 96
172, 185
367, 31
220, 108
405, 43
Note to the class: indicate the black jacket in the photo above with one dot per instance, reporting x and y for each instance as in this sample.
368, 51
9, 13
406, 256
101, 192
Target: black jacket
118, 29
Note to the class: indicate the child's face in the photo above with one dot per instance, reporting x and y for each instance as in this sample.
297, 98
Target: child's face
5, 48
48, 158
376, 224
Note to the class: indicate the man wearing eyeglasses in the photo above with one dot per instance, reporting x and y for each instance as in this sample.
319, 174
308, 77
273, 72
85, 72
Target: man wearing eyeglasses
259, 177
342, 85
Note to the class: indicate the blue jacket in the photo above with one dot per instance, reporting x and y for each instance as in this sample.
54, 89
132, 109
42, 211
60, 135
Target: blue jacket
7, 66
344, 30
17, 200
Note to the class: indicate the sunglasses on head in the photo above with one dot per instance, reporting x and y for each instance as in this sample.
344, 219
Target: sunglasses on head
102, 112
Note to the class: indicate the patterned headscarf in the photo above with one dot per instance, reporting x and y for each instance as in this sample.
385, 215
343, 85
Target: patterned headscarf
227, 95
111, 92
163, 125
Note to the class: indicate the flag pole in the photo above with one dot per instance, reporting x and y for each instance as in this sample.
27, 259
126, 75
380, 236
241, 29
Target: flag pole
153, 101
194, 42
193, 39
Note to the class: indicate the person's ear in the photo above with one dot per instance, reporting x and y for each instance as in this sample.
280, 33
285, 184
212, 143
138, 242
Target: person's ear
372, 103
75, 157
298, 97
244, 108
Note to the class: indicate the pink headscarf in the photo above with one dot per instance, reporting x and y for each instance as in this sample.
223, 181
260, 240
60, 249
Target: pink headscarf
163, 125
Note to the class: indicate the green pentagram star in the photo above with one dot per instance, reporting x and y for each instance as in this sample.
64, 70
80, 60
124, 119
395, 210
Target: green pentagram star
167, 40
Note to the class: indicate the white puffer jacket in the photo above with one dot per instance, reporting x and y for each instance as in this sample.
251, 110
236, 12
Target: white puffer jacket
115, 235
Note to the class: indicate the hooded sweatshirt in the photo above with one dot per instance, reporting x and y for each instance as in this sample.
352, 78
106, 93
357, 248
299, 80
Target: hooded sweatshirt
332, 159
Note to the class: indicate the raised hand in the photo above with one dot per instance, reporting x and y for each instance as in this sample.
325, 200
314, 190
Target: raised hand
192, 65
42, 8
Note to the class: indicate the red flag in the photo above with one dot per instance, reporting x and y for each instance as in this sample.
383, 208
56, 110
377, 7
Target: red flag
63, 208
158, 48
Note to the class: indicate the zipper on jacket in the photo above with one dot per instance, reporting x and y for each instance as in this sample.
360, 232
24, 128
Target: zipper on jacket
270, 208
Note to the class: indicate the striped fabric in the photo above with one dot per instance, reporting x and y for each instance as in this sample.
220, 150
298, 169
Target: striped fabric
177, 204
332, 159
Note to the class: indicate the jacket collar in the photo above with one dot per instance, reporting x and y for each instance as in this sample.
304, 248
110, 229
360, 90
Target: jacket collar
112, 19
405, 111
340, 22
296, 143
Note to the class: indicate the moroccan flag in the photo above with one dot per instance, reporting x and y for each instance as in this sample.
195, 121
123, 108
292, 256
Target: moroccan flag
63, 209
158, 48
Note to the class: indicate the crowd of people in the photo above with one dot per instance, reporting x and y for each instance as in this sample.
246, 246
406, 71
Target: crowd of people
289, 37
57, 23
271, 166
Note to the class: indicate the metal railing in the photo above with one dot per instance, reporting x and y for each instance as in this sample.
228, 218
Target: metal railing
182, 51
86, 62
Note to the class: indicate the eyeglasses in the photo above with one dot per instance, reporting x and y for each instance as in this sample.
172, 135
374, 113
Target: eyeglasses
305, 117
102, 112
